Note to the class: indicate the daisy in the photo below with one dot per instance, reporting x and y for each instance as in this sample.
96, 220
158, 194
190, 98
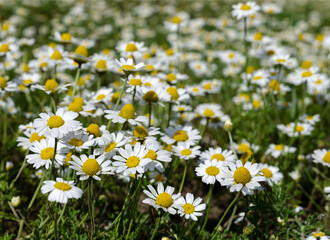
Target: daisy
243, 10
145, 135
176, 22
100, 134
239, 177
321, 156
135, 49
42, 153
181, 134
60, 190
126, 114
51, 87
56, 125
318, 236
64, 38
271, 8
77, 140
276, 150
153, 95
111, 146
219, 154
260, 78
185, 151
102, 95
190, 207
90, 166
311, 119
177, 94
131, 160
80, 55
210, 171
157, 177
128, 65
271, 173
208, 110
157, 156
296, 129
31, 137
164, 199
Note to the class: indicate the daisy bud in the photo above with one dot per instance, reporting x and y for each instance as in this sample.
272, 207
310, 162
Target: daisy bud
228, 125
9, 165
301, 157
165, 238
15, 201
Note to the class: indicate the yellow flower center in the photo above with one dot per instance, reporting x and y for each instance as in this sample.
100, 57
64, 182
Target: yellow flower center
207, 86
299, 128
76, 105
231, 55
101, 64
170, 77
180, 136
267, 173
110, 147
212, 171
164, 200
258, 36
245, 7
256, 103
127, 67
66, 37
320, 37
281, 60
218, 157
173, 92
140, 132
68, 158
208, 113
94, 129
51, 85
326, 157
257, 78
186, 152
159, 178
279, 147
76, 142
3, 83
115, 97
151, 154
132, 161
5, 27
151, 96
170, 52
81, 50
176, 20
242, 175
47, 153
243, 147
36, 137
307, 74
55, 122
91, 167
309, 118
62, 186
4, 47
188, 208
127, 111
274, 85
27, 81
131, 47
100, 97
135, 82
319, 234
306, 64
56, 55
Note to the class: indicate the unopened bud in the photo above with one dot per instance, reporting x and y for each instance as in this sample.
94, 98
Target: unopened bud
165, 238
15, 201
9, 165
301, 157
228, 125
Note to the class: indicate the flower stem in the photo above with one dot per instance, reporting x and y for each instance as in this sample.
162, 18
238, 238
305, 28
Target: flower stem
158, 221
184, 175
20, 170
205, 127
90, 205
55, 221
216, 229
76, 82
209, 196
36, 193
50, 172
169, 114
232, 144
150, 109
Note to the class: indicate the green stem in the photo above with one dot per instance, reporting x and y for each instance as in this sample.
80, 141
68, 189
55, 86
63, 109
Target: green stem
36, 193
158, 221
50, 172
90, 205
20, 170
209, 196
4, 127
53, 103
184, 175
169, 113
216, 229
205, 127
150, 109
76, 82
55, 221
232, 144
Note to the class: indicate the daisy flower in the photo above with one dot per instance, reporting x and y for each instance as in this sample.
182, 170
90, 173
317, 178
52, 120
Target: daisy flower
51, 87
321, 156
129, 66
135, 49
30, 137
181, 134
60, 190
157, 156
56, 125
164, 199
80, 55
271, 173
100, 134
77, 140
296, 129
210, 171
276, 150
131, 160
126, 114
219, 154
153, 95
190, 207
42, 153
311, 119
90, 166
243, 10
185, 151
239, 177
157, 177
64, 38
208, 110
318, 236
110, 146
145, 135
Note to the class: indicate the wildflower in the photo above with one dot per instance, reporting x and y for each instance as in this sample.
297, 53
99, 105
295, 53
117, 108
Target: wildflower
276, 150
219, 154
128, 65
181, 134
210, 171
190, 207
185, 151
157, 156
111, 145
271, 173
126, 114
15, 201
60, 190
243, 10
321, 156
318, 236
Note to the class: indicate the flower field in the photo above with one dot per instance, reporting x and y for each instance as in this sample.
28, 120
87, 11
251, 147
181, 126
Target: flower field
164, 119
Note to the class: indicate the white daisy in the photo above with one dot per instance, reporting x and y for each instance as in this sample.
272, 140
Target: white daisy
31, 136
239, 177
322, 156
131, 160
219, 154
157, 177
311, 119
271, 173
190, 208
185, 151
210, 171
164, 199
157, 156
77, 140
90, 166
181, 134
110, 146
51, 87
60, 190
153, 95
276, 150
318, 236
56, 125
129, 66
243, 10
100, 134
126, 114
